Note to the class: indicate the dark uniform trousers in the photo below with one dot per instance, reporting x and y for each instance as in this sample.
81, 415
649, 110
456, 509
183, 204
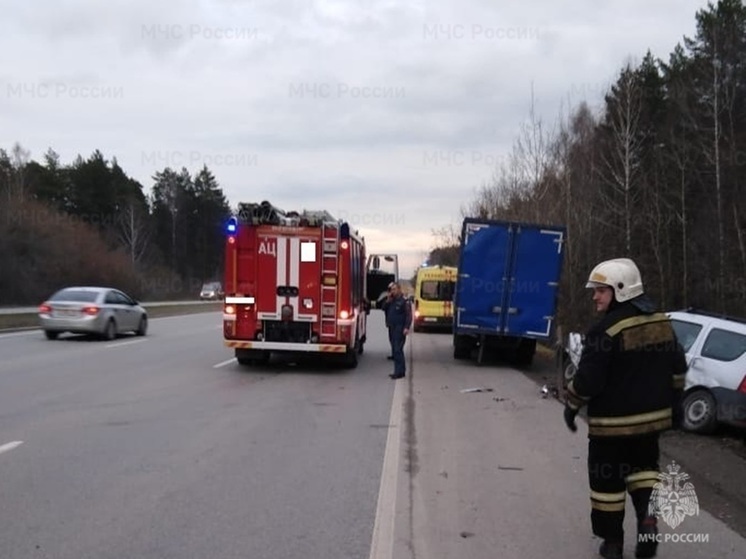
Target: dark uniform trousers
398, 340
617, 466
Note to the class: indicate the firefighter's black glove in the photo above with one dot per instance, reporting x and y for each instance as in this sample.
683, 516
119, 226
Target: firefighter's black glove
570, 418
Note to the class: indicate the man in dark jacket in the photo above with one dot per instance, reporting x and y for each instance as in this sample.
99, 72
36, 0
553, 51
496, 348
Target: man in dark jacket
385, 308
399, 320
631, 376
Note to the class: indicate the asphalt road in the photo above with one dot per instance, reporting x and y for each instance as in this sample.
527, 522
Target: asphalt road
146, 449
164, 447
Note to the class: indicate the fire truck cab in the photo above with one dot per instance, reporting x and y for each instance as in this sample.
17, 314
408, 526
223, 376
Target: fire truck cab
294, 283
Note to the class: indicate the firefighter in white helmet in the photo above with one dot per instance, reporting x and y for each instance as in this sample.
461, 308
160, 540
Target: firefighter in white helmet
630, 376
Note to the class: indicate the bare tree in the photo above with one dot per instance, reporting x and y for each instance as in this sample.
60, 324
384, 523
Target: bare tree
20, 157
531, 155
678, 153
714, 157
134, 232
622, 163
6, 173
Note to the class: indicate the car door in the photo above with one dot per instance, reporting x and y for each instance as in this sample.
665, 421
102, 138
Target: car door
691, 333
113, 307
722, 359
130, 316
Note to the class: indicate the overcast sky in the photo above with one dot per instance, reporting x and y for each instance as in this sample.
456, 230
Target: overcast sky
389, 113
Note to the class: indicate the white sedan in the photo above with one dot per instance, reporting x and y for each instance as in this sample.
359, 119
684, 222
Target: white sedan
102, 311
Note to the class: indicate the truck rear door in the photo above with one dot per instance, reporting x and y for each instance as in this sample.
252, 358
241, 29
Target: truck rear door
483, 276
508, 278
534, 280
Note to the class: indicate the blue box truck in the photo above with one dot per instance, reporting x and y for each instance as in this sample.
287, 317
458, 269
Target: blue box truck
507, 287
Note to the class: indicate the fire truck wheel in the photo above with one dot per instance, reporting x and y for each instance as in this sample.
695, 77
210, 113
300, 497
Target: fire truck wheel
351, 356
253, 357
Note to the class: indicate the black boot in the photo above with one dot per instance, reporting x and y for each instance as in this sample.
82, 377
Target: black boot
647, 544
611, 550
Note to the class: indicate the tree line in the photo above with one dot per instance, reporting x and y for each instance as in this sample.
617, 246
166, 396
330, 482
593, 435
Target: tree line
89, 223
658, 174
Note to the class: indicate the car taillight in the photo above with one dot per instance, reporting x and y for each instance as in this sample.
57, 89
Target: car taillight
90, 311
229, 309
742, 386
344, 315
45, 309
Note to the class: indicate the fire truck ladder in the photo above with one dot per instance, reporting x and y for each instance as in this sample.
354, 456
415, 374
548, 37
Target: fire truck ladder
329, 263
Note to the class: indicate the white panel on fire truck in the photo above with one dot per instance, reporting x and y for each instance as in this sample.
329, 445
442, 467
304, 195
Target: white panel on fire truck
308, 251
296, 257
239, 300
282, 272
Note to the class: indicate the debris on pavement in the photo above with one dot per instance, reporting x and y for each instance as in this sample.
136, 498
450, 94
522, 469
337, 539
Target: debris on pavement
546, 390
478, 389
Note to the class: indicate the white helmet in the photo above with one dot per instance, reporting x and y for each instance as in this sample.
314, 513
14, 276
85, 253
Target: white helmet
621, 274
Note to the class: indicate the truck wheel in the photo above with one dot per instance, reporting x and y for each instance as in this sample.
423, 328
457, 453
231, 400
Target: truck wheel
699, 411
524, 354
461, 348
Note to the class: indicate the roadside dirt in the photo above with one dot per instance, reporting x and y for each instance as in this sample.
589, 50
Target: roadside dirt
716, 463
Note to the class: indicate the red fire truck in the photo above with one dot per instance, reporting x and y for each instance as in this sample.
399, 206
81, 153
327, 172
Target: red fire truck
294, 282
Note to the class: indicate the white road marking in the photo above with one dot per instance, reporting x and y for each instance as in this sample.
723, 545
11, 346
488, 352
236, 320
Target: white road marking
10, 446
382, 545
224, 363
120, 344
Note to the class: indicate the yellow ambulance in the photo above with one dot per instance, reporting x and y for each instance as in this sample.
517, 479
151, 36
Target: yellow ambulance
433, 297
